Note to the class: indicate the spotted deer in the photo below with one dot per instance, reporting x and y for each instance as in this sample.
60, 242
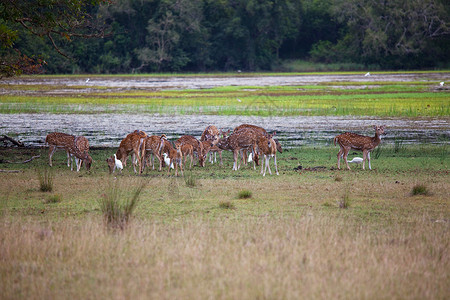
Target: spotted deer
151, 147
267, 147
238, 141
77, 147
212, 135
174, 154
196, 145
132, 143
187, 150
260, 130
355, 141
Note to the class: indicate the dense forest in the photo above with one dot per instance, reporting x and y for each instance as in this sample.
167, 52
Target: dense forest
142, 36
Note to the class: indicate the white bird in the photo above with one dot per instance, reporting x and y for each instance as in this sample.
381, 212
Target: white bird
87, 80
367, 74
167, 160
118, 164
239, 100
250, 157
441, 83
356, 160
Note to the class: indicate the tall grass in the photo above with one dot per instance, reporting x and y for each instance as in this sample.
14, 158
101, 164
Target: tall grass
265, 257
117, 204
45, 177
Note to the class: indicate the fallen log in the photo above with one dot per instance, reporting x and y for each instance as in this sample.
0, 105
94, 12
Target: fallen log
5, 138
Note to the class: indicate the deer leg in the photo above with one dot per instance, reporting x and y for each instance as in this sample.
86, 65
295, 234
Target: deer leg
51, 151
275, 161
345, 157
368, 157
235, 158
364, 158
268, 164
220, 156
262, 168
339, 155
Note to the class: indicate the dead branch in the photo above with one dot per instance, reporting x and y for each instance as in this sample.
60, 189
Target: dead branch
10, 171
7, 138
21, 162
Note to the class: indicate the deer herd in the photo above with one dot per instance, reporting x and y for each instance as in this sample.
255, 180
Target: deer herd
247, 141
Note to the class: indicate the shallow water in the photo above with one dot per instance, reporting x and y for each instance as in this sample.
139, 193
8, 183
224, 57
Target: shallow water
107, 130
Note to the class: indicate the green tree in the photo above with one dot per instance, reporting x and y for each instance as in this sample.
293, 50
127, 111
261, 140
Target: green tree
53, 20
395, 29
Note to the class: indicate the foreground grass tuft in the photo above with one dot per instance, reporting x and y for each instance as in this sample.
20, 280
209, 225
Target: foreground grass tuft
420, 189
53, 199
226, 205
118, 208
345, 201
45, 180
190, 180
244, 194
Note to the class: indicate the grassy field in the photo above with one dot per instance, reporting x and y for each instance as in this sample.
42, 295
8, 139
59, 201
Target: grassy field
414, 98
314, 232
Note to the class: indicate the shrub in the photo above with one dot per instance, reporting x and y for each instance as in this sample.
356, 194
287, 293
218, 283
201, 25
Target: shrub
117, 209
45, 180
245, 194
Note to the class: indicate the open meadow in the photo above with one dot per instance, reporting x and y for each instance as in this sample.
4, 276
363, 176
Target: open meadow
312, 232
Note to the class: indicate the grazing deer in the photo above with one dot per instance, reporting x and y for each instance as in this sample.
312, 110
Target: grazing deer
261, 131
74, 146
187, 150
212, 135
196, 145
267, 147
238, 141
174, 154
151, 147
132, 143
355, 141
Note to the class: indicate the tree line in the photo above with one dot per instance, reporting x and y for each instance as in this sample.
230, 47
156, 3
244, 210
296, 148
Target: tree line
140, 36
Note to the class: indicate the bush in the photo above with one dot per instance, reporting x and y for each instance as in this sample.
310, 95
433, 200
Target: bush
190, 180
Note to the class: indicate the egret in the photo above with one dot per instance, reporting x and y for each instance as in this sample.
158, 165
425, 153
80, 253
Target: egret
356, 160
87, 80
367, 74
167, 160
118, 164
239, 100
441, 83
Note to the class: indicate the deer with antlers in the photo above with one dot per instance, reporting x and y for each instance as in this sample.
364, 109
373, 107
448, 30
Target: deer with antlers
237, 142
268, 147
358, 142
132, 143
75, 146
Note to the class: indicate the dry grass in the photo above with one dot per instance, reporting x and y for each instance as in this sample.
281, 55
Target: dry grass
283, 258
290, 240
